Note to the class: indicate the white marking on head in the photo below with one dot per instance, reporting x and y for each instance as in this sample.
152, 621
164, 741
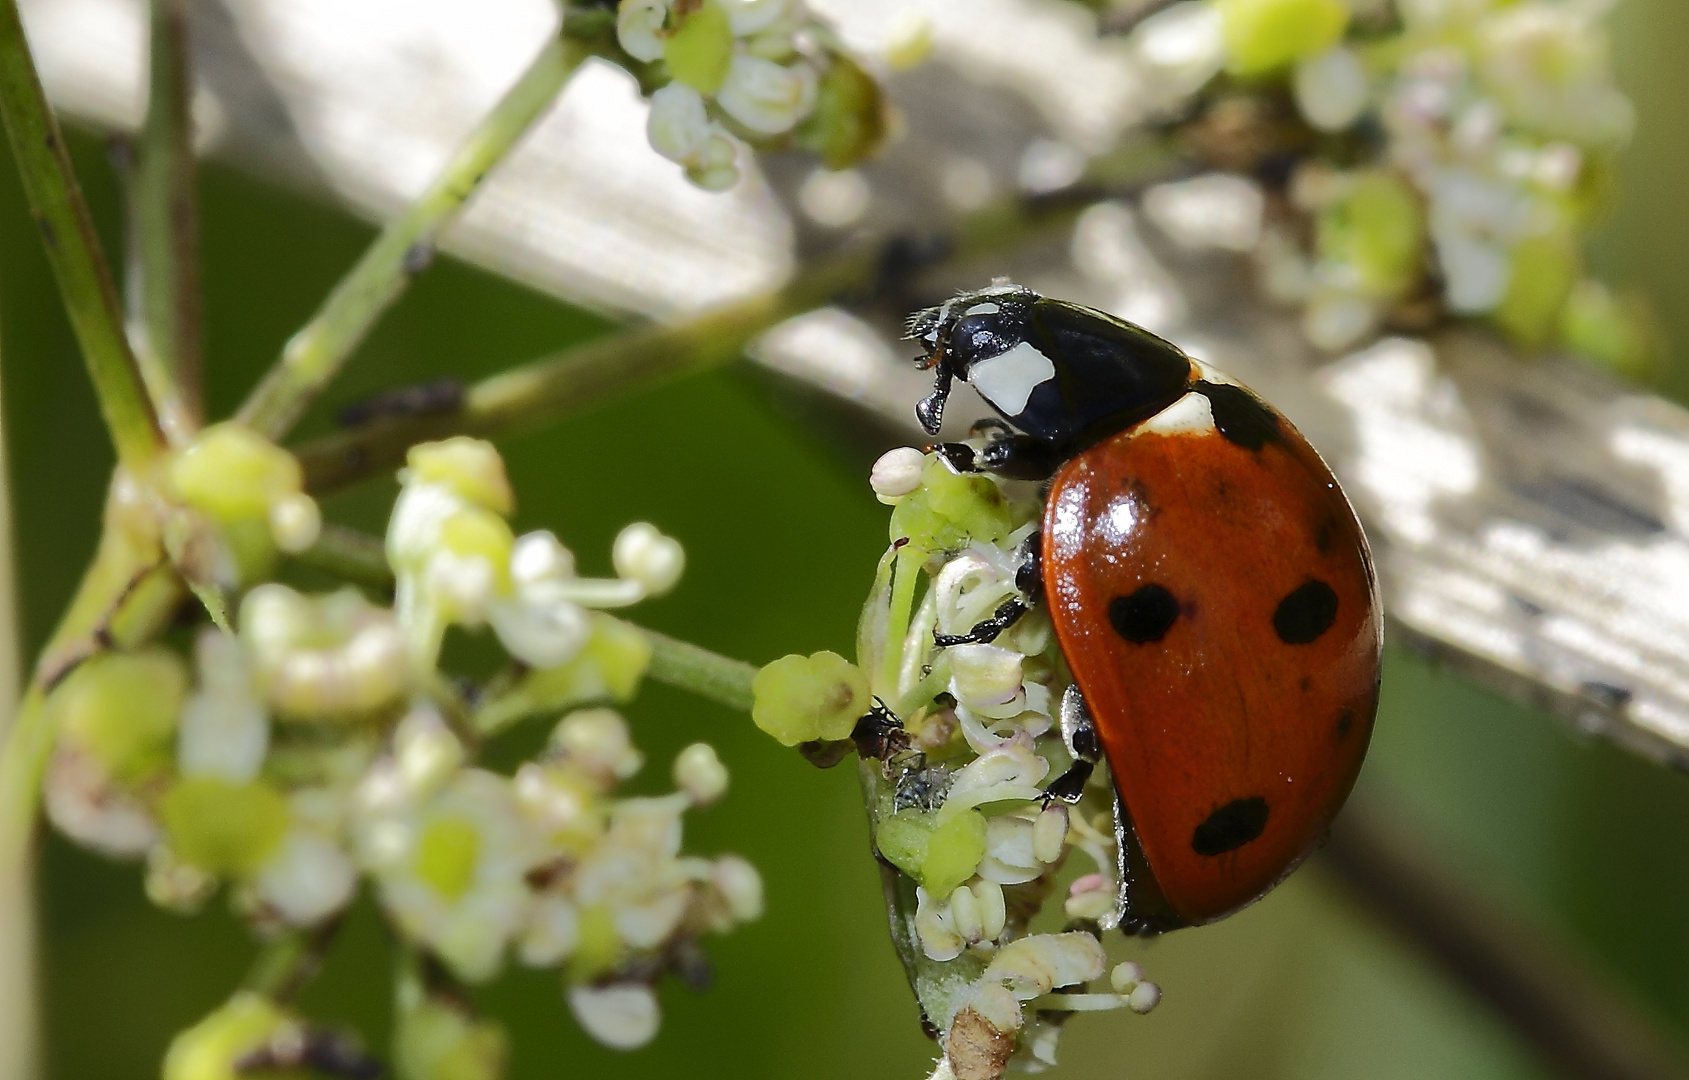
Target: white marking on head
1008, 379
1190, 415
983, 309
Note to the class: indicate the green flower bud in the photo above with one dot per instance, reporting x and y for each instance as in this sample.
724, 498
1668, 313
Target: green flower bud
953, 853
799, 699
233, 473
221, 827
434, 1040
1617, 332
949, 509
213, 1048
903, 839
1544, 270
471, 468
123, 708
848, 122
1263, 36
1377, 230
700, 50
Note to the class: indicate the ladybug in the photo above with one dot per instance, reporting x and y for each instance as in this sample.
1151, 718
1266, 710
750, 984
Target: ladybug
1210, 589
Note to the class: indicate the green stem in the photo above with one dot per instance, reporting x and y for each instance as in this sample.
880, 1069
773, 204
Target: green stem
351, 556
316, 353
284, 965
73, 248
588, 375
164, 297
707, 674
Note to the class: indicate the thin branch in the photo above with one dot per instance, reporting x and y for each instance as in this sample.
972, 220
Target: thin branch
584, 376
285, 965
1579, 1022
164, 297
707, 674
350, 555
73, 248
316, 353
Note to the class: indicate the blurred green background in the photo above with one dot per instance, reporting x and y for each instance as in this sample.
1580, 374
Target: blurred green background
782, 535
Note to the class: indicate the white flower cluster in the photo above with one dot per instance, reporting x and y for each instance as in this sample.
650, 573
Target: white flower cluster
320, 744
1498, 118
738, 71
963, 811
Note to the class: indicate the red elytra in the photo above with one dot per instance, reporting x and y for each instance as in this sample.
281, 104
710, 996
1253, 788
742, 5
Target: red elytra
1217, 608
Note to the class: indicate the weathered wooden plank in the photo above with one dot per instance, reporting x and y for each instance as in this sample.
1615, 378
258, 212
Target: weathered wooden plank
1529, 519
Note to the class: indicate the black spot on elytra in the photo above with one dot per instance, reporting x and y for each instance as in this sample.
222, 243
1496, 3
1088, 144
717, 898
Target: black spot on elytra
1240, 416
1145, 615
1230, 827
1306, 613
1345, 721
1306, 684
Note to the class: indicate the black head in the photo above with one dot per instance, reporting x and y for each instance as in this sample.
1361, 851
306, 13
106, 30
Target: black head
1058, 372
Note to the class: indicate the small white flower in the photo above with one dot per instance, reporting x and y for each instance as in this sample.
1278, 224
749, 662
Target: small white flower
323, 657
84, 804
719, 169
623, 1016
766, 97
1183, 47
700, 774
972, 914
425, 750
452, 869
540, 626
679, 124
1010, 772
639, 26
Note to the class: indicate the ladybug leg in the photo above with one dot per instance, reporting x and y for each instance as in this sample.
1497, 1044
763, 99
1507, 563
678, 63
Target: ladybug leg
1015, 457
1080, 735
984, 633
1029, 579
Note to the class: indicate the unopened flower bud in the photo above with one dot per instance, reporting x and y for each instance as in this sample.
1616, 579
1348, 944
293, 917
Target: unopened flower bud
1126, 976
740, 885
1144, 997
598, 741
436, 1040
226, 829
1049, 832
1090, 898
295, 522
678, 126
1265, 35
622, 1016
964, 914
122, 709
214, 1048
700, 773
426, 750
799, 699
718, 169
897, 473
1331, 89
233, 473
643, 554
470, 468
